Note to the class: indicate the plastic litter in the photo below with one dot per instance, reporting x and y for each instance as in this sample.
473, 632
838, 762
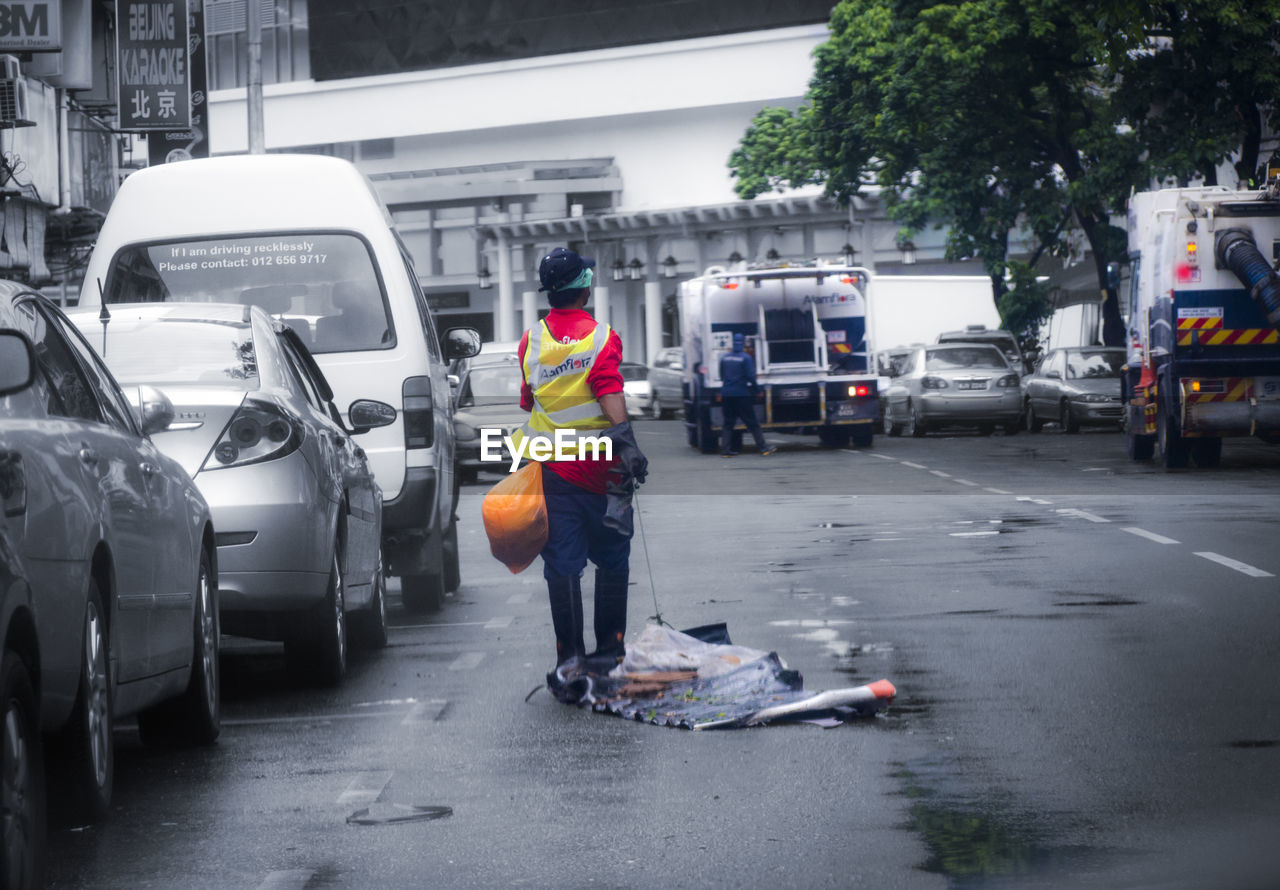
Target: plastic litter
698, 679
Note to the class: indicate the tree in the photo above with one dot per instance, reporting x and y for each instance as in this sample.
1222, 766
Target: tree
988, 116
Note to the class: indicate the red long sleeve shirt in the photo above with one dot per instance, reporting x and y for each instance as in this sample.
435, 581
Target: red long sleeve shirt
567, 326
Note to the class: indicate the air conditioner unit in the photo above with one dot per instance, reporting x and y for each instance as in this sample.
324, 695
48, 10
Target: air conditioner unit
13, 100
9, 68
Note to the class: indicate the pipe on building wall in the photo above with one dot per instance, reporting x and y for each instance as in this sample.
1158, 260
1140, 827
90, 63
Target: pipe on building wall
64, 155
506, 292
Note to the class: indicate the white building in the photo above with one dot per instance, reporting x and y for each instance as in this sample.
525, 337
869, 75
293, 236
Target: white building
607, 128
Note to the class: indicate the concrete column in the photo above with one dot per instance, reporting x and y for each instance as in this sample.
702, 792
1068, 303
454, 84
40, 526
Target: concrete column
652, 320
505, 323
529, 307
599, 303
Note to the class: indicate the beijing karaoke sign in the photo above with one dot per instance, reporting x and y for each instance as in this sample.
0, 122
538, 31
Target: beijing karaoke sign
152, 65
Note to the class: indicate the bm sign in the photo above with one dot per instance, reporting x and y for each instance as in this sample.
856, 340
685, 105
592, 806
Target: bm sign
33, 26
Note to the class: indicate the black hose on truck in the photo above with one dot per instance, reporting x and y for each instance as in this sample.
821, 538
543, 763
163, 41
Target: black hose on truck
1237, 251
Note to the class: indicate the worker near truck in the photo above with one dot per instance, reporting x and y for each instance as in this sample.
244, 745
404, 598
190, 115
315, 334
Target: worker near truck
571, 381
737, 396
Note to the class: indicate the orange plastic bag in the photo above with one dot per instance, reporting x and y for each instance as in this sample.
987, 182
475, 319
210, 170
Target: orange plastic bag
515, 518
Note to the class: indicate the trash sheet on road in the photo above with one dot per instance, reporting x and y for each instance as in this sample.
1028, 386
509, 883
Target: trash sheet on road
697, 679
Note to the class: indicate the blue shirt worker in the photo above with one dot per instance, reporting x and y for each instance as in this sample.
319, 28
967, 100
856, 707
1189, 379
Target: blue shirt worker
569, 363
737, 397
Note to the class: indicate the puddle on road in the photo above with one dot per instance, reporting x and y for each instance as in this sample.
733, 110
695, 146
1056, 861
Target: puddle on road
1254, 743
1100, 601
837, 525
397, 813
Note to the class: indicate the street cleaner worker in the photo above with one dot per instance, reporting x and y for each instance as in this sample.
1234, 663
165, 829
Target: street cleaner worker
571, 382
737, 396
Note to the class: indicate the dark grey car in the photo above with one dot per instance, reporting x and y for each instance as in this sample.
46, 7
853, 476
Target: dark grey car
1079, 386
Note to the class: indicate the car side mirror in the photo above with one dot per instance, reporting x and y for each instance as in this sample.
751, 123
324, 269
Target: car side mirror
366, 414
155, 411
17, 362
461, 343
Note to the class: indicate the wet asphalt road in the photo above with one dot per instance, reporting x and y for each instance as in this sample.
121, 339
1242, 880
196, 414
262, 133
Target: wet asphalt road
1084, 648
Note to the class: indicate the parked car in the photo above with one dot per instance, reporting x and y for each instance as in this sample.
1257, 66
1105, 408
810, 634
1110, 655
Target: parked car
110, 587
1076, 387
666, 379
298, 513
637, 393
957, 383
306, 238
488, 399
889, 365
1004, 340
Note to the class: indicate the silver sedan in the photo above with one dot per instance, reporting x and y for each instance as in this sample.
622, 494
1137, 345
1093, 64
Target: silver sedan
956, 383
109, 595
295, 504
1076, 387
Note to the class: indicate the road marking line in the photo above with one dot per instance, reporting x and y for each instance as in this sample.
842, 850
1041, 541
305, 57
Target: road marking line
425, 712
907, 463
973, 534
941, 474
883, 456
519, 599
1082, 514
365, 788
467, 661
1035, 500
997, 490
500, 622
1150, 536
287, 880
1242, 567
420, 626
966, 482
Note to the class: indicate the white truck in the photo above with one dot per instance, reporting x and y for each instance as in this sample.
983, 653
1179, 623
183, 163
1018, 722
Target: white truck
806, 327
1204, 308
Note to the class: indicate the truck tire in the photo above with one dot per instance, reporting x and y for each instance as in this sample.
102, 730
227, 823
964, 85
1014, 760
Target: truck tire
1206, 453
708, 441
863, 435
1173, 448
1140, 447
833, 437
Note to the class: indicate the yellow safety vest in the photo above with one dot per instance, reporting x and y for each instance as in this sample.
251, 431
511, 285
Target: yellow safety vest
557, 374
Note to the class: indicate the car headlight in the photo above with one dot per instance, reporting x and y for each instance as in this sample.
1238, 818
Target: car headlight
1092, 397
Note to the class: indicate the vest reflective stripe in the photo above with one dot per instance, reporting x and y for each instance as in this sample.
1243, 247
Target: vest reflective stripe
557, 373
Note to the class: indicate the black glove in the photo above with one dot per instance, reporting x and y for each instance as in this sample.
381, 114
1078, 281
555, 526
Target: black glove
618, 514
635, 466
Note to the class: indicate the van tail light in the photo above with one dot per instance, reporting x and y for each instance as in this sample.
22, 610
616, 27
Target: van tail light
258, 432
419, 413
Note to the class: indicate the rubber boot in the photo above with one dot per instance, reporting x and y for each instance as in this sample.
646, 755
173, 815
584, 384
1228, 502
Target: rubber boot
566, 617
610, 620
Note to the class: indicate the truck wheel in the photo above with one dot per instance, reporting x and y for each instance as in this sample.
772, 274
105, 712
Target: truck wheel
708, 441
1140, 447
1034, 424
833, 437
863, 435
1206, 453
1173, 448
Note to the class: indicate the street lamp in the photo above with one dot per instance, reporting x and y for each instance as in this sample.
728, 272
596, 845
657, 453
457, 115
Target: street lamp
849, 253
637, 268
483, 277
772, 256
619, 269
735, 257
670, 267
908, 253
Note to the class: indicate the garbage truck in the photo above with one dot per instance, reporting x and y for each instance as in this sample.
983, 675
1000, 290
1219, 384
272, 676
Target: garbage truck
1204, 313
806, 328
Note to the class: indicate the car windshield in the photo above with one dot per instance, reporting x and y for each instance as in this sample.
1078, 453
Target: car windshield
954, 357
488, 386
1094, 364
164, 351
634, 372
324, 285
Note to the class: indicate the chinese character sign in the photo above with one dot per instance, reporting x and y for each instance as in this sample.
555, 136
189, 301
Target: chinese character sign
152, 65
168, 146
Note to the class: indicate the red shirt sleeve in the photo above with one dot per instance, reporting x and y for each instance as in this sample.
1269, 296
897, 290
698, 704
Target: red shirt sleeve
526, 391
604, 377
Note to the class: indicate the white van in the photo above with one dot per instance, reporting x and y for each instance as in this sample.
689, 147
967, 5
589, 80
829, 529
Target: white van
307, 238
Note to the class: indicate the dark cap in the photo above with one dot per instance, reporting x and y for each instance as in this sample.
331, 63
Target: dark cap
560, 268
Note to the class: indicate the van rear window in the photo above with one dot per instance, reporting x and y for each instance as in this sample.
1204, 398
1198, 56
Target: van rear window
323, 285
